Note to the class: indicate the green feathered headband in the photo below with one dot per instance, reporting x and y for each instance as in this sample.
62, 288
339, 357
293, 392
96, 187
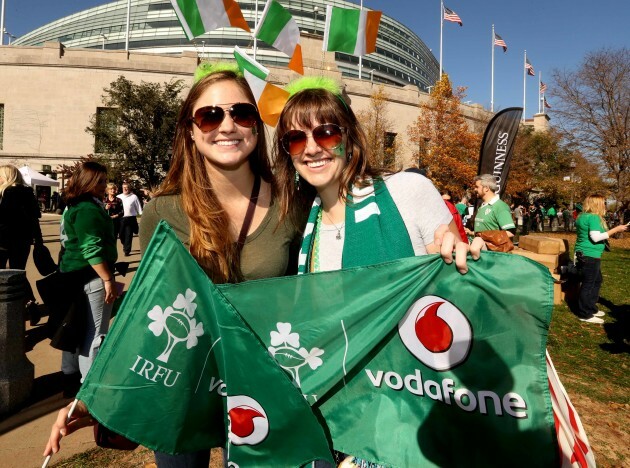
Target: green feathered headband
315, 82
206, 68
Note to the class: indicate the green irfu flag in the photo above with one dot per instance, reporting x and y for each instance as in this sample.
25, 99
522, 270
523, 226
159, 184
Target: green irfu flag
180, 370
411, 363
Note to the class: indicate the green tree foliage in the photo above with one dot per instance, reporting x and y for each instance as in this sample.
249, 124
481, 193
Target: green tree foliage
446, 146
136, 127
593, 106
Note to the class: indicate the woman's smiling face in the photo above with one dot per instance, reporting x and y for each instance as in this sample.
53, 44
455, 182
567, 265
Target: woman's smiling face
229, 145
320, 167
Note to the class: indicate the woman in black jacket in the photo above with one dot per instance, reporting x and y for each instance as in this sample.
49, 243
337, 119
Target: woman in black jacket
19, 224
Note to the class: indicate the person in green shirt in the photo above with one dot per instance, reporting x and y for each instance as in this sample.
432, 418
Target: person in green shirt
87, 263
592, 233
493, 214
552, 215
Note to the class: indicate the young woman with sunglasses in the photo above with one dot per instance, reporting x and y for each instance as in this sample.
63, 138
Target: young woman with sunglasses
218, 198
358, 215
322, 165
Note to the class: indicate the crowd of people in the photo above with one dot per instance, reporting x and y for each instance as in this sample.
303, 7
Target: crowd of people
244, 215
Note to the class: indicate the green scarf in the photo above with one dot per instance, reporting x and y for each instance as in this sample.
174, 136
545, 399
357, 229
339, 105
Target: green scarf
375, 231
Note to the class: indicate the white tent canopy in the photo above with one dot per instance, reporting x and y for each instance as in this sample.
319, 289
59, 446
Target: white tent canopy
33, 178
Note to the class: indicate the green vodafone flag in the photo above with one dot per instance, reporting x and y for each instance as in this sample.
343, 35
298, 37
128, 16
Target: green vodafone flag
406, 363
411, 363
180, 370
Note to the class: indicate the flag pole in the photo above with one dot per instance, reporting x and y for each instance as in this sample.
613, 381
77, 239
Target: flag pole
540, 106
255, 26
128, 21
441, 27
524, 81
2, 24
360, 56
492, 75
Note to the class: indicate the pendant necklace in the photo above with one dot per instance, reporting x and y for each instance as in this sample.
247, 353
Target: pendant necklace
338, 229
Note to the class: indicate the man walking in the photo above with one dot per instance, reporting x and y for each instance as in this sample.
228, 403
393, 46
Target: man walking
493, 214
129, 223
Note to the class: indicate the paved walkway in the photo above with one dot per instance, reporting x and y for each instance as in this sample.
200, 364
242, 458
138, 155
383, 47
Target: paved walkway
24, 433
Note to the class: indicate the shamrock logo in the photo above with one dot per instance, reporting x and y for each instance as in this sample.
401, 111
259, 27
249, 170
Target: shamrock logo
286, 350
178, 322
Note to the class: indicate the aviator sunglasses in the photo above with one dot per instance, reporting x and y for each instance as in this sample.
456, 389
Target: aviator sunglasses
327, 136
210, 117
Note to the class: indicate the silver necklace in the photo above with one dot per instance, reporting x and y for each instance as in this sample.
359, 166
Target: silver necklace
338, 229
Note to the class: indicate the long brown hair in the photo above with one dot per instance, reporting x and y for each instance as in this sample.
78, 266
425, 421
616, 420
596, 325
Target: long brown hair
84, 181
210, 240
322, 106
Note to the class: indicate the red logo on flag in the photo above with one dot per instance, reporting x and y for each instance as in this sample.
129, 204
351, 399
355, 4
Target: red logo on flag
248, 423
436, 332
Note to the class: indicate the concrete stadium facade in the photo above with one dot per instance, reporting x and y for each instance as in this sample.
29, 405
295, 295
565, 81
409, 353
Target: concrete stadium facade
49, 93
52, 79
401, 57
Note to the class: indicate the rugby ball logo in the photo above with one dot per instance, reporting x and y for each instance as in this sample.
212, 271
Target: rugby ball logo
436, 332
178, 323
247, 421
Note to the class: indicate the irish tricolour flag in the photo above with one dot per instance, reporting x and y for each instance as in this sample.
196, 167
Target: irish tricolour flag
200, 16
278, 28
270, 99
350, 30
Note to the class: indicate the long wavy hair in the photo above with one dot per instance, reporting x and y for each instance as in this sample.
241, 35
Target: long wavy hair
84, 182
11, 175
210, 241
321, 106
596, 204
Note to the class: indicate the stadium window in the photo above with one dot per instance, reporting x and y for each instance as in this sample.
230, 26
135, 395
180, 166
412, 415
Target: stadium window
389, 145
1, 125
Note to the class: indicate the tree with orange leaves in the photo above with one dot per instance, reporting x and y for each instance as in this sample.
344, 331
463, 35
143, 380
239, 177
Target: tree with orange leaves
446, 147
377, 126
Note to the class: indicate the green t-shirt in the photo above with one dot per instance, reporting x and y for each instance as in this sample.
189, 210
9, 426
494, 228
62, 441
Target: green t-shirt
461, 209
551, 212
494, 215
87, 234
585, 223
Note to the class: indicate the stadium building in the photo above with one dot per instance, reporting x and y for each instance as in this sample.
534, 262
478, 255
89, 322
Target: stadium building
401, 58
52, 80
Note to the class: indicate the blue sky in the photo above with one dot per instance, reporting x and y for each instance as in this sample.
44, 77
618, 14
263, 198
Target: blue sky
555, 33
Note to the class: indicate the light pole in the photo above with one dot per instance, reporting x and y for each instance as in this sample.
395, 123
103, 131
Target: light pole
372, 76
315, 10
11, 36
2, 23
103, 37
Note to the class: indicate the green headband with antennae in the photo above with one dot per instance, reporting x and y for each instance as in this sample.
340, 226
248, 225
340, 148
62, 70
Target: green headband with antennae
316, 82
206, 68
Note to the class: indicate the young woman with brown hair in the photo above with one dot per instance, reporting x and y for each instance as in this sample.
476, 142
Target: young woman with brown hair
218, 197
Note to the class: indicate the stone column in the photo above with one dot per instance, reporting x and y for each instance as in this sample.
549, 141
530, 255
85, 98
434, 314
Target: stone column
16, 371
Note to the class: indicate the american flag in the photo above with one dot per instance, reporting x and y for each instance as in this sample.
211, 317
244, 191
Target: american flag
546, 103
498, 41
529, 67
450, 15
543, 87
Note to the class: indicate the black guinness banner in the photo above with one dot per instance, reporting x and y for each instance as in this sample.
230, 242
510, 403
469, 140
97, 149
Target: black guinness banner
496, 146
